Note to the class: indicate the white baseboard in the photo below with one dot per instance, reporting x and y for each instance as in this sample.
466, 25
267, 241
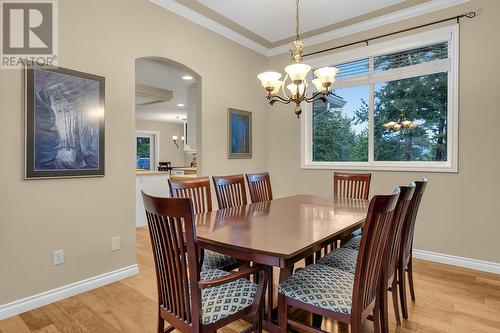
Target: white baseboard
54, 295
479, 265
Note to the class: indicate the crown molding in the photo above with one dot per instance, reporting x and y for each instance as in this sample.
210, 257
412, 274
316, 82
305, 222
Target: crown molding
220, 29
398, 16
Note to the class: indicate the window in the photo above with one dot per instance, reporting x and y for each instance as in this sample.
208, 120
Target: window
146, 150
394, 107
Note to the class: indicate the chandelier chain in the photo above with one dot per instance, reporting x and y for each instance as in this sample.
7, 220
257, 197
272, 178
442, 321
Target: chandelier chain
297, 19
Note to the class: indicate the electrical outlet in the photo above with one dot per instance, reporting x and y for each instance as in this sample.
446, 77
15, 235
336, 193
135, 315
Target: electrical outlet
58, 257
115, 243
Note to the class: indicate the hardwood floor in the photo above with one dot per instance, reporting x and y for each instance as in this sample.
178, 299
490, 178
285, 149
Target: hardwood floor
449, 299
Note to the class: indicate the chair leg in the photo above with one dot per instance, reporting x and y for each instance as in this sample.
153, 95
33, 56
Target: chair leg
259, 321
283, 313
376, 318
355, 327
318, 254
410, 278
161, 324
317, 320
395, 302
384, 318
402, 291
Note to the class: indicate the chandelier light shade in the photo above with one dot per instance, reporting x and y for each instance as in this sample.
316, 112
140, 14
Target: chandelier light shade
401, 123
176, 137
297, 73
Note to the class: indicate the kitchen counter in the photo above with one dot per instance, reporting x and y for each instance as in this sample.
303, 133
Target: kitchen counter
191, 175
153, 183
185, 168
183, 171
150, 172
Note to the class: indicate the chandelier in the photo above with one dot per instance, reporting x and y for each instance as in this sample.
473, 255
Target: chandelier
175, 137
297, 72
401, 123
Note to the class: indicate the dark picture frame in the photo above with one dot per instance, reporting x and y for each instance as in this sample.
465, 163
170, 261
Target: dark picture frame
239, 133
64, 123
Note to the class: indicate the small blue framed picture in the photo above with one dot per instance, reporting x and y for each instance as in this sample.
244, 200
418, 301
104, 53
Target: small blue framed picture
239, 129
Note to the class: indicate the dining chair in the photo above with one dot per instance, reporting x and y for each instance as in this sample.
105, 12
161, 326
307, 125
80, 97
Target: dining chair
389, 279
198, 189
405, 263
259, 186
331, 292
189, 299
345, 258
351, 185
230, 191
164, 166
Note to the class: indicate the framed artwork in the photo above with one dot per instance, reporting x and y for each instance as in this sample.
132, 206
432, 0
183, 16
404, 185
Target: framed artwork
239, 129
64, 123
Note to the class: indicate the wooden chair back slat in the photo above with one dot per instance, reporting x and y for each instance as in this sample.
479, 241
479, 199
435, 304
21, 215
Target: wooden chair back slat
372, 250
351, 185
411, 216
230, 191
259, 186
173, 239
198, 189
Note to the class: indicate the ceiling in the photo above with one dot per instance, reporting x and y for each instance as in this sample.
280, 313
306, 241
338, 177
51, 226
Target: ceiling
276, 18
167, 76
268, 26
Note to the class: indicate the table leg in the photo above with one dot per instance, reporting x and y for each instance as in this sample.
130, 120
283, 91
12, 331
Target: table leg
270, 294
285, 273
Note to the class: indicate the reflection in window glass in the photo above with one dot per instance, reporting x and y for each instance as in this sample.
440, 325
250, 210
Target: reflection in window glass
143, 154
340, 126
411, 57
422, 100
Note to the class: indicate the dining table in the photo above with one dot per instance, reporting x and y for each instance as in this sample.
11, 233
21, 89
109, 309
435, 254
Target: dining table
280, 232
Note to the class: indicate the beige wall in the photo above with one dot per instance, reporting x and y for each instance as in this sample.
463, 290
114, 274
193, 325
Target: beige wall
81, 215
459, 214
168, 150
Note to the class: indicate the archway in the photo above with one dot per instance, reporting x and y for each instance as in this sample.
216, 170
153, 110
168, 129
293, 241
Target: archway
168, 126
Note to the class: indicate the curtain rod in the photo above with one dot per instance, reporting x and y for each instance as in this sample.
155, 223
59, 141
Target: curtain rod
367, 40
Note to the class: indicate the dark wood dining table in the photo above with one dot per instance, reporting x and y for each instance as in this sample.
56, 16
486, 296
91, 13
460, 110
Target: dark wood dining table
279, 232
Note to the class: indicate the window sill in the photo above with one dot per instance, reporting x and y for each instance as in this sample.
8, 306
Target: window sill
435, 167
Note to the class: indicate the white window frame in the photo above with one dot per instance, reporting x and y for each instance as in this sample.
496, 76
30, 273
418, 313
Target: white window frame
449, 34
156, 146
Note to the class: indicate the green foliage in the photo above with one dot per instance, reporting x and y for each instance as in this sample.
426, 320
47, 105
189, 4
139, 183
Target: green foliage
143, 147
424, 100
334, 138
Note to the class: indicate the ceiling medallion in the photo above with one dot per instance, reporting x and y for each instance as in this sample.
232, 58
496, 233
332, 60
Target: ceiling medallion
297, 71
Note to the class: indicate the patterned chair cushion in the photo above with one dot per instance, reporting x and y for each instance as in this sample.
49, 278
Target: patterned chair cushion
343, 258
320, 285
222, 301
214, 260
353, 243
